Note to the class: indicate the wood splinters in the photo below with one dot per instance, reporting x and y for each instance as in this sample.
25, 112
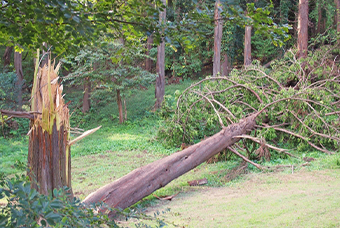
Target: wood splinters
198, 182
166, 197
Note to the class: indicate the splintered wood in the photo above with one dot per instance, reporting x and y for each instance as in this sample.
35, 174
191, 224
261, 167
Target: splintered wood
49, 157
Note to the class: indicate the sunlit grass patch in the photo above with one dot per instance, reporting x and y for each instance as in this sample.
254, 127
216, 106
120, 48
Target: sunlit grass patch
11, 150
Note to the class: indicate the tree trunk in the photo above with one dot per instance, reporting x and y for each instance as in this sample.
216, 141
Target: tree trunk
49, 158
148, 61
337, 15
160, 80
20, 76
141, 182
125, 111
120, 107
226, 66
86, 96
247, 46
303, 29
318, 29
217, 39
7, 56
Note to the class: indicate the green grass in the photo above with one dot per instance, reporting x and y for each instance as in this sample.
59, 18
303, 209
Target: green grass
11, 150
115, 150
303, 199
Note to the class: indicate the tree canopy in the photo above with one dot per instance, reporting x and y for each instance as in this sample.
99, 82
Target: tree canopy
67, 24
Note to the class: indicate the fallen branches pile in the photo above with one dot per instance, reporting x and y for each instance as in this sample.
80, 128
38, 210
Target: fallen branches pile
296, 108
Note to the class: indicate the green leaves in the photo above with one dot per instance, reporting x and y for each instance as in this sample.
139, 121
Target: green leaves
29, 23
25, 206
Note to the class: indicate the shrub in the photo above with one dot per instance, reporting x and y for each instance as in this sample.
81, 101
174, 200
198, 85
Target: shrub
25, 207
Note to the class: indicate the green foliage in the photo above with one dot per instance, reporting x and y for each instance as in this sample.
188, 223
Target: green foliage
8, 100
264, 50
26, 207
299, 101
8, 90
110, 67
110, 64
66, 25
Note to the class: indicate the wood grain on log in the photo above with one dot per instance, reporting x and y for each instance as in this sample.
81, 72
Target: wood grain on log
141, 182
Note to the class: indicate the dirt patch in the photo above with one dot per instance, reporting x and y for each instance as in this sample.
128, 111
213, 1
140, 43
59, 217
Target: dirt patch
303, 199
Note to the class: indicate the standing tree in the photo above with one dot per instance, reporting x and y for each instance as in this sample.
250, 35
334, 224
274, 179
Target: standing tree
217, 39
302, 42
86, 95
109, 70
160, 68
7, 55
20, 75
337, 15
148, 61
247, 45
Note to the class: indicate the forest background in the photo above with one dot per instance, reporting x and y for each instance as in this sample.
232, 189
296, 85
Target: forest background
112, 51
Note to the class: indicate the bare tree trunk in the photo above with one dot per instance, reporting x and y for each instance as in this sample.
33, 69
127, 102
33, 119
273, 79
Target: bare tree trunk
20, 75
160, 68
303, 29
318, 29
148, 61
337, 15
86, 96
141, 182
247, 46
226, 66
49, 158
125, 111
217, 39
120, 107
7, 56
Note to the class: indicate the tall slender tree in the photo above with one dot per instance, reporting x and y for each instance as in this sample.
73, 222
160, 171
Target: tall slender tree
86, 95
302, 42
7, 55
247, 45
20, 75
217, 38
160, 68
337, 15
148, 61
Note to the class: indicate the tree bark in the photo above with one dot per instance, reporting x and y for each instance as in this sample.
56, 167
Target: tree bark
337, 15
318, 29
86, 96
160, 68
226, 66
20, 76
7, 56
217, 39
141, 182
247, 46
148, 61
303, 29
49, 158
120, 107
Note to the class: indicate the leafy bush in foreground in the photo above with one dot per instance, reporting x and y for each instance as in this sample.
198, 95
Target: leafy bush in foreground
25, 207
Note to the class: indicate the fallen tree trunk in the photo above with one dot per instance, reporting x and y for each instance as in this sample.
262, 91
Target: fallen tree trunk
141, 182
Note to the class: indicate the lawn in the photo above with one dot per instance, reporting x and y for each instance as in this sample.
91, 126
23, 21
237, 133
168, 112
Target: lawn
306, 197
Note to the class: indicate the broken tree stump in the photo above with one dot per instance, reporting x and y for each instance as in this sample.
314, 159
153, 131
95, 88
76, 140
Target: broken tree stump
49, 159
